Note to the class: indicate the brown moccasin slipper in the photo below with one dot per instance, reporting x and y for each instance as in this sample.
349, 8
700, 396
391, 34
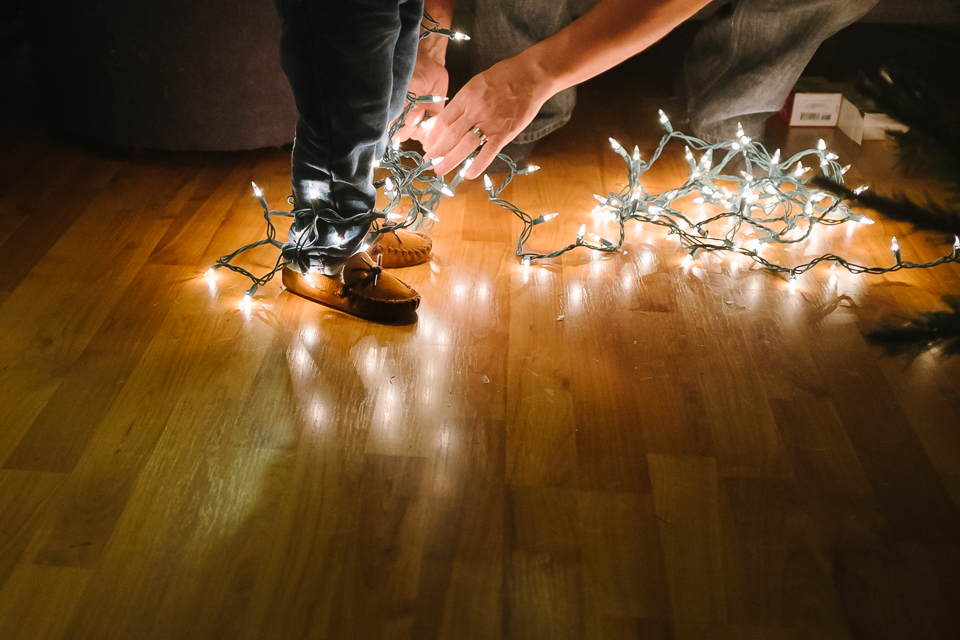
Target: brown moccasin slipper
362, 289
402, 248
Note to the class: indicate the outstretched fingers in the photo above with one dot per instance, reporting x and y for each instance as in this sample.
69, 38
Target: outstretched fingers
484, 158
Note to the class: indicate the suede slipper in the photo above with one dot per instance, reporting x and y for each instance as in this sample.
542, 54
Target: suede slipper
362, 289
402, 248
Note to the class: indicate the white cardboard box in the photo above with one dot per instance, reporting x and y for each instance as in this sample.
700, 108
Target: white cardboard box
813, 109
862, 121
816, 102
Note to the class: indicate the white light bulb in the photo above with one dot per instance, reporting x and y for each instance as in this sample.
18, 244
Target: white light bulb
776, 157
866, 220
447, 192
821, 145
613, 143
210, 272
533, 168
956, 243
389, 185
460, 36
636, 153
525, 261
860, 190
427, 124
663, 117
436, 161
256, 190
581, 231
438, 98
894, 246
550, 216
487, 183
844, 169
431, 215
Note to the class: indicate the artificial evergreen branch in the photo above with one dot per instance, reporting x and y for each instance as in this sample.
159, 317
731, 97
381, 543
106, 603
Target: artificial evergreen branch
929, 329
931, 217
932, 143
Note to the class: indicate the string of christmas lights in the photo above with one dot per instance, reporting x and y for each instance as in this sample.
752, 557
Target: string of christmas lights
431, 26
770, 202
406, 180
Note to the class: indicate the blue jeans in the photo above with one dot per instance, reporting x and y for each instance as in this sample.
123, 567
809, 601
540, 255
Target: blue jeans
742, 66
349, 63
746, 59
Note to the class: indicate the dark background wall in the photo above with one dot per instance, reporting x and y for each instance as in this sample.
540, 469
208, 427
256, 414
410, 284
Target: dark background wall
205, 75
176, 74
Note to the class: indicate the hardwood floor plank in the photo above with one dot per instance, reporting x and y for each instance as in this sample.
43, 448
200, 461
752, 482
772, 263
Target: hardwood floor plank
197, 427
543, 565
25, 497
541, 436
36, 602
775, 574
59, 207
686, 500
204, 326
74, 412
38, 342
611, 453
461, 576
214, 576
622, 558
933, 409
905, 482
390, 544
33, 191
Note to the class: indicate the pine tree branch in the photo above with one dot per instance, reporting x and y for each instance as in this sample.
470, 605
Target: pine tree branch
930, 329
932, 217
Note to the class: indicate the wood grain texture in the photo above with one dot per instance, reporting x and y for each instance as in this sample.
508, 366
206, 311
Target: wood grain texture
604, 446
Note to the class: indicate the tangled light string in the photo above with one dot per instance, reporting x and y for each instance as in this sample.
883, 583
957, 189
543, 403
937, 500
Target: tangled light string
424, 193
770, 198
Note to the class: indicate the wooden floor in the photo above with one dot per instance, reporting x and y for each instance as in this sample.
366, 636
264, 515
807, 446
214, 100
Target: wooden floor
602, 447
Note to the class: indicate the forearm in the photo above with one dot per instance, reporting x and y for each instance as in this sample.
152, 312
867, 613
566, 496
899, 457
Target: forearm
436, 46
607, 35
